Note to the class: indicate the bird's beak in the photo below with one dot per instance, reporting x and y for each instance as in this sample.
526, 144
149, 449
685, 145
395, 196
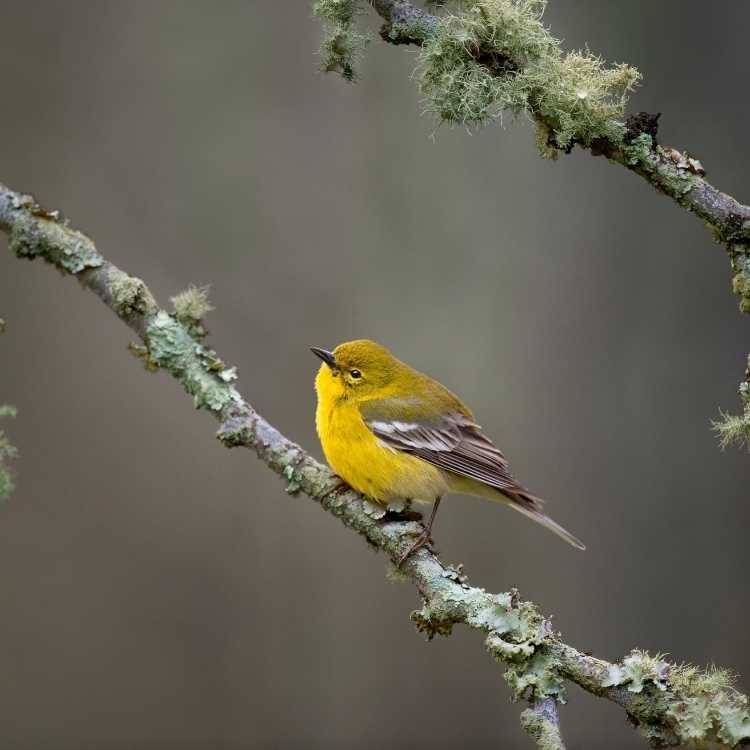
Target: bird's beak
325, 355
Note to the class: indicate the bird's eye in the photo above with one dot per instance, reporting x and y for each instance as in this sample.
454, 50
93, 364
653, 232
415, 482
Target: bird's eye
356, 374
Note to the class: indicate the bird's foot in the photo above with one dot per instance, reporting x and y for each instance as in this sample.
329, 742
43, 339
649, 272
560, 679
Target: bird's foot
424, 539
336, 488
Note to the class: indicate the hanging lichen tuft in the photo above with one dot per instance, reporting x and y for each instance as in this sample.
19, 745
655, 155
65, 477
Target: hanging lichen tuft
343, 45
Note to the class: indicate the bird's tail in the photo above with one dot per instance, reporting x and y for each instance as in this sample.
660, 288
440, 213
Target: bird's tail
531, 507
518, 498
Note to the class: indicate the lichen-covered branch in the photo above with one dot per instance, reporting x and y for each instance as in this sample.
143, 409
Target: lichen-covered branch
480, 58
542, 722
7, 452
671, 704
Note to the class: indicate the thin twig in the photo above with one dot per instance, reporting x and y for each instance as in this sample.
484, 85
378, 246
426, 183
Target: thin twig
542, 722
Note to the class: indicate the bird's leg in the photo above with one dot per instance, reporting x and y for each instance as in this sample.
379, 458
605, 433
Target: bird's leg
424, 537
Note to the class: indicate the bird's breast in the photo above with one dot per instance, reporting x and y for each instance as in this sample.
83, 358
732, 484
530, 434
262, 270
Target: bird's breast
361, 460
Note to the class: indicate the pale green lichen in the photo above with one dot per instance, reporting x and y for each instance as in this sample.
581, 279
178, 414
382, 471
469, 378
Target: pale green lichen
536, 676
517, 634
639, 151
702, 707
130, 296
171, 346
35, 236
294, 479
343, 45
741, 282
7, 453
733, 429
192, 305
497, 56
706, 707
636, 670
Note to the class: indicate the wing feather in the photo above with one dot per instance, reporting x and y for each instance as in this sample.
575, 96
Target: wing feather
453, 442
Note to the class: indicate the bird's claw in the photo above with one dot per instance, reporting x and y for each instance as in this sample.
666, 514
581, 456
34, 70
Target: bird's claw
424, 539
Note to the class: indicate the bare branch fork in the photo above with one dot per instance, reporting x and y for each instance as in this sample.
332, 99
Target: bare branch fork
673, 173
671, 704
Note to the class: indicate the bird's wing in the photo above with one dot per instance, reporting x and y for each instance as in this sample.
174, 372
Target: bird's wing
453, 442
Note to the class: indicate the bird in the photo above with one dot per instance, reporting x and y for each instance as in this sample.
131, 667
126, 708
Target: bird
394, 434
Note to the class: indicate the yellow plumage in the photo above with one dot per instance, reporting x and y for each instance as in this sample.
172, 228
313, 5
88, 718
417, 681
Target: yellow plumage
361, 459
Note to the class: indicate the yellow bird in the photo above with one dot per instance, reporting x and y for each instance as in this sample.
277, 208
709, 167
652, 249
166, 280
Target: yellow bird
393, 433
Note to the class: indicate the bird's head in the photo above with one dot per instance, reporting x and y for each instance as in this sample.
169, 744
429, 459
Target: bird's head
358, 369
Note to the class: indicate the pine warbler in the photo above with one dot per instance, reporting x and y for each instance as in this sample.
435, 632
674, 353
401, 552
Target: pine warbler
393, 433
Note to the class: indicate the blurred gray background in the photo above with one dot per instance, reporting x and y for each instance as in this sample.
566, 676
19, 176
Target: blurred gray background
159, 591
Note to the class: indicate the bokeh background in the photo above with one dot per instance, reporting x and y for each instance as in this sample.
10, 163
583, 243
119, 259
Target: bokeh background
158, 591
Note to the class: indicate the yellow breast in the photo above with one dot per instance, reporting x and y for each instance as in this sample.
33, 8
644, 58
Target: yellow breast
361, 460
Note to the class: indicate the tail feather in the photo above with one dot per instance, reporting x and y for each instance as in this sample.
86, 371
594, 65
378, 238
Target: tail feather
518, 498
532, 512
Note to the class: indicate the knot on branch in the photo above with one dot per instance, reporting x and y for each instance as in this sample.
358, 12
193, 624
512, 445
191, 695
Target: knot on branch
640, 123
237, 431
130, 296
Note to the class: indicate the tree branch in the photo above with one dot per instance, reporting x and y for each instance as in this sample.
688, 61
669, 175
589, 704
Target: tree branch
671, 704
542, 723
673, 173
